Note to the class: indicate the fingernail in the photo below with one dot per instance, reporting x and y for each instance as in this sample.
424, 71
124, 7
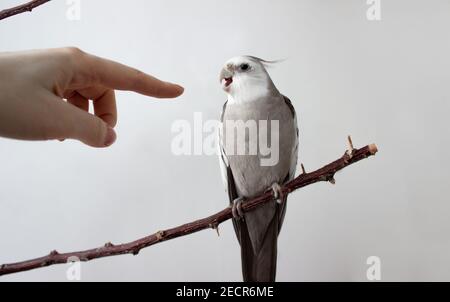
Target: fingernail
181, 88
110, 137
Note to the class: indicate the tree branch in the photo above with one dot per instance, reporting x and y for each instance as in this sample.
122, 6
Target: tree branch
325, 174
27, 7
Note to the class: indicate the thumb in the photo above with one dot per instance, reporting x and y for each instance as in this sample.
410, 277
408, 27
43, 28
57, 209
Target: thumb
85, 127
93, 131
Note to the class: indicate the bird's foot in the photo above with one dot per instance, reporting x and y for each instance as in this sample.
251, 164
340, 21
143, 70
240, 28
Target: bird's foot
236, 209
277, 193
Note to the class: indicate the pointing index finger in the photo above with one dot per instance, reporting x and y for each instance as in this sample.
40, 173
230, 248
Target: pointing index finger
118, 76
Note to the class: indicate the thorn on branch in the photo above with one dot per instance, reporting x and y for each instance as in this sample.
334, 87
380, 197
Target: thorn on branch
303, 169
54, 253
351, 148
109, 244
160, 235
215, 226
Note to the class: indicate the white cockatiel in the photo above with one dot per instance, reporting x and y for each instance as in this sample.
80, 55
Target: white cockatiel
252, 96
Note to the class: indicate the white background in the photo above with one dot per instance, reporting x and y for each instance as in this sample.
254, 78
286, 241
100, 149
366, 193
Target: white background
384, 82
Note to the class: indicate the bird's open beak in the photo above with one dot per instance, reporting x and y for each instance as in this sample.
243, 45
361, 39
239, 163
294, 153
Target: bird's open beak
226, 78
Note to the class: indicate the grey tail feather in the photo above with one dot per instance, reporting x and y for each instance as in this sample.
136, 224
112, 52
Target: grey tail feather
260, 267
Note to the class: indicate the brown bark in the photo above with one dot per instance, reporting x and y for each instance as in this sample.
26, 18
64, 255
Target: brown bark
325, 174
27, 7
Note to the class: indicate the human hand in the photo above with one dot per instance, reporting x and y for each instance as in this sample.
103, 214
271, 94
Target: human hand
34, 85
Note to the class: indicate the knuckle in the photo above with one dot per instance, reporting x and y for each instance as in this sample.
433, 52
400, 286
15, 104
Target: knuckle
141, 82
138, 73
71, 54
138, 77
73, 51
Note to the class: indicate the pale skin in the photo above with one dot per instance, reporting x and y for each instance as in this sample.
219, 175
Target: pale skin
45, 95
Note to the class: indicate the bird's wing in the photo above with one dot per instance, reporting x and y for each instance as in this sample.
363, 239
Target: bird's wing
294, 161
227, 175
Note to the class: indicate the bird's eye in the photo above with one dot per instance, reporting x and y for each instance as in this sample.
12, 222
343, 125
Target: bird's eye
245, 67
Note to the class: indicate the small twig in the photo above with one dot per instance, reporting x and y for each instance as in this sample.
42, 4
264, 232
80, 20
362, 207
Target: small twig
303, 169
350, 146
216, 228
27, 7
324, 174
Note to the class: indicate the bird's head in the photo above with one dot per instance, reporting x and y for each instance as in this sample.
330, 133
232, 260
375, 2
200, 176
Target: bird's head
245, 78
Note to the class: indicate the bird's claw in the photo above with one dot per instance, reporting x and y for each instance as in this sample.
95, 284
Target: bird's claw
277, 193
236, 209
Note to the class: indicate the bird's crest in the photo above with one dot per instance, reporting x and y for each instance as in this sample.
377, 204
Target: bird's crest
266, 63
